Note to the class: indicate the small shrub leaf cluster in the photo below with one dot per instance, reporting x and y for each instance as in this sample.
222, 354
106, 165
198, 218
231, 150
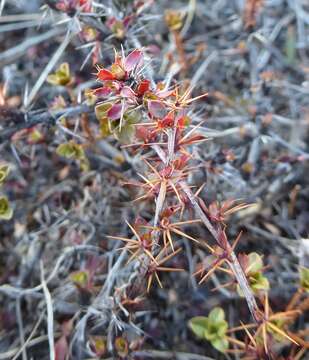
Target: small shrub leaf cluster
212, 328
6, 211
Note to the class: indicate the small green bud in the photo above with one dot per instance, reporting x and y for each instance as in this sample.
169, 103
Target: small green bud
61, 76
80, 278
4, 172
6, 212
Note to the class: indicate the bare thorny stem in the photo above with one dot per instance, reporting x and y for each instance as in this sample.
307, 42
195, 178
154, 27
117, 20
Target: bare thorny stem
233, 261
162, 193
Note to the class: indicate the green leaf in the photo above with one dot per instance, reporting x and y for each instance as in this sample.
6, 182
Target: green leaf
258, 282
35, 136
220, 344
216, 315
173, 19
104, 127
211, 332
255, 263
118, 71
71, 150
198, 325
213, 328
132, 117
80, 278
121, 346
304, 278
99, 345
61, 76
126, 133
90, 97
101, 110
118, 29
84, 164
4, 172
6, 212
222, 327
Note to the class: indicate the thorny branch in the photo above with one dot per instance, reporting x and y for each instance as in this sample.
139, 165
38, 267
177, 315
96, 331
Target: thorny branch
250, 56
234, 263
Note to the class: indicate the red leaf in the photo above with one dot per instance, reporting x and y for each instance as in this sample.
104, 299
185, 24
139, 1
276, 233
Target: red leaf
127, 20
142, 133
105, 75
102, 91
167, 121
162, 94
127, 92
133, 60
142, 87
114, 112
156, 108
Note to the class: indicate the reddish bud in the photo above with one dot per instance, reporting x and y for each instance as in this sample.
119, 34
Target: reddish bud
142, 87
166, 122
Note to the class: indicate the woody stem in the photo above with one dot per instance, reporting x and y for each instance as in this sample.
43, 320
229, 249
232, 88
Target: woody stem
233, 261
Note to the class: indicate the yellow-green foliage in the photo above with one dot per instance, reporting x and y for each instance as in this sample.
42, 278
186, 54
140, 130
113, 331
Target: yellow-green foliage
304, 278
61, 76
212, 328
6, 212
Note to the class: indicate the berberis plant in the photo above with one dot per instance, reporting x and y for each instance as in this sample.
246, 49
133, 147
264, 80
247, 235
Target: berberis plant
133, 202
155, 120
